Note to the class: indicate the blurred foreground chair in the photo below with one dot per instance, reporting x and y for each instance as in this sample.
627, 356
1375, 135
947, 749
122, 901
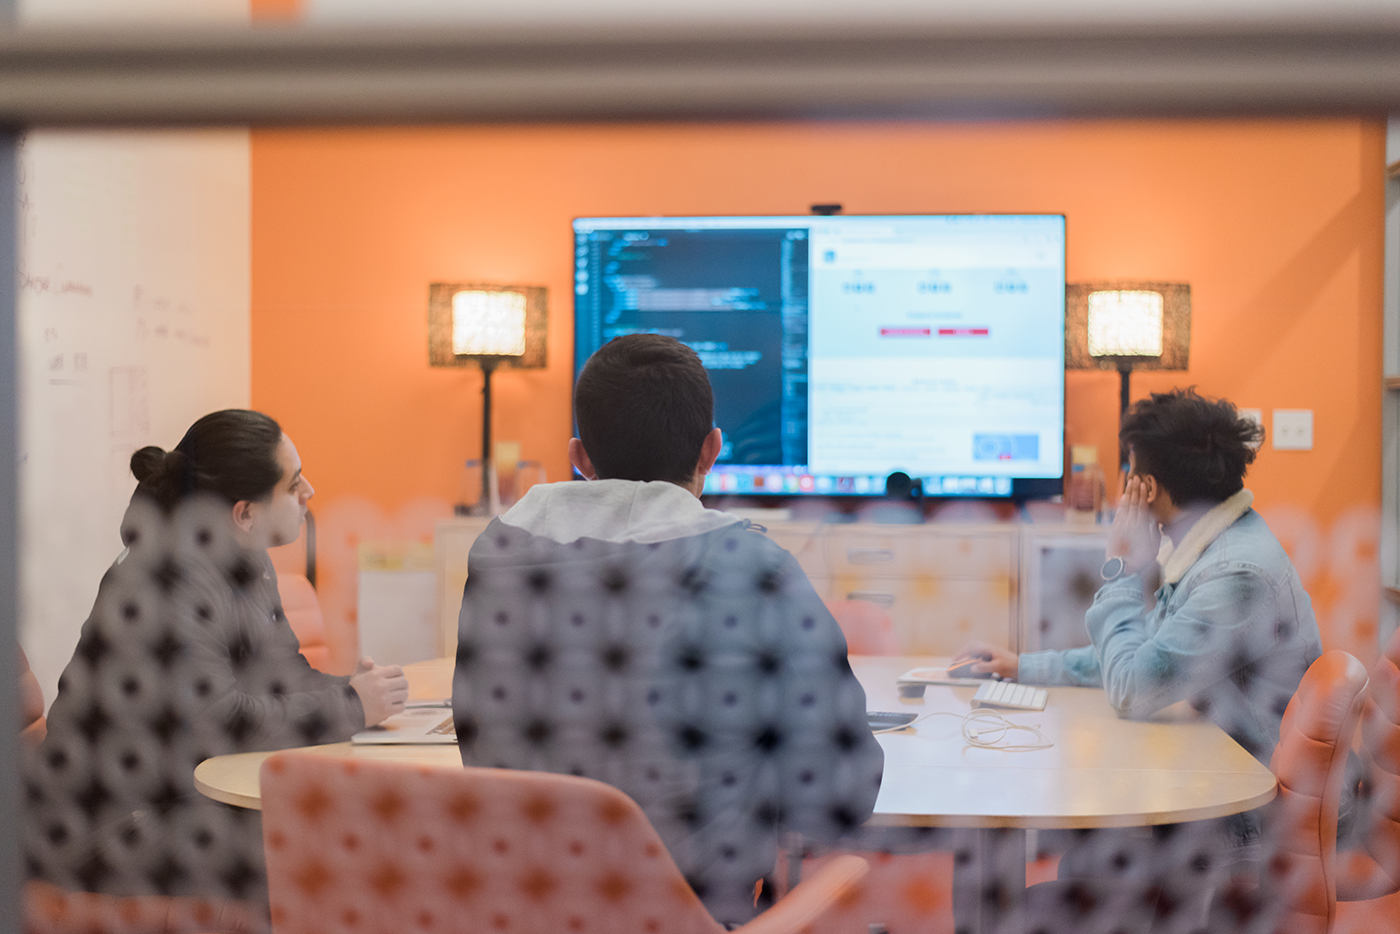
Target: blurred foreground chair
1298, 890
868, 627
1372, 870
370, 846
49, 909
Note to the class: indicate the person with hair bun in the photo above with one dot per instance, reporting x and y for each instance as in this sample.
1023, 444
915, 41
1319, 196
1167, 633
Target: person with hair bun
187, 655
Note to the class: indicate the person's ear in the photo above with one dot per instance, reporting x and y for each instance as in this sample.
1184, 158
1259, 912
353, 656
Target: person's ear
580, 459
1150, 482
709, 451
243, 515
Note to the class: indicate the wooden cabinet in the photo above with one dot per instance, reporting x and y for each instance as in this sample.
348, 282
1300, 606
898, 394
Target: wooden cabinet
943, 584
452, 540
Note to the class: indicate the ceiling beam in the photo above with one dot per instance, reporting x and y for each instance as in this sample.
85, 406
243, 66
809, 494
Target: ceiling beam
396, 75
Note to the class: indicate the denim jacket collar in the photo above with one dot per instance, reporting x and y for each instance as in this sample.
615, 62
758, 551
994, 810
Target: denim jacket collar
1177, 561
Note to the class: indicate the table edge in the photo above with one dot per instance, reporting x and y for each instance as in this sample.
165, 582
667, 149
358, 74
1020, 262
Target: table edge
1075, 821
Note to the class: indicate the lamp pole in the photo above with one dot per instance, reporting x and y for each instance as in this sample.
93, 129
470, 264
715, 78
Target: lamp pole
488, 365
1125, 372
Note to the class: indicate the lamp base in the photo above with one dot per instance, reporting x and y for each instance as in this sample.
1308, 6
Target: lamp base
484, 484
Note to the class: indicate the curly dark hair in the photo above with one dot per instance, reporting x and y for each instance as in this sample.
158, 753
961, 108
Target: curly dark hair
1198, 448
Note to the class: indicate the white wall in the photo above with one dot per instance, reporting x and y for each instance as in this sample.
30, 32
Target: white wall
134, 272
133, 322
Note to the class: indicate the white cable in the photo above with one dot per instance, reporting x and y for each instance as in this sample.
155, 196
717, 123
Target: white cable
989, 729
984, 728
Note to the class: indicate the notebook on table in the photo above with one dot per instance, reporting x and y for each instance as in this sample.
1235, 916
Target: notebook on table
938, 674
416, 725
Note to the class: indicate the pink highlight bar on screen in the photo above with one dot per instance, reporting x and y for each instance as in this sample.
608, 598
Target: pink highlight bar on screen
906, 332
964, 332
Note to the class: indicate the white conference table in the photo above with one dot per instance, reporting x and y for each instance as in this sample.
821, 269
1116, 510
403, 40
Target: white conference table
1100, 771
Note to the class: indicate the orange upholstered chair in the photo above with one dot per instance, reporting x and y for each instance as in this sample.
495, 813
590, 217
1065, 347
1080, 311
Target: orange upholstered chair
31, 704
358, 846
868, 627
49, 909
303, 611
1373, 870
1298, 894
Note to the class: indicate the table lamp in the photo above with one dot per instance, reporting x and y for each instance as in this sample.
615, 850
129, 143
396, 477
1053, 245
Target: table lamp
1127, 326
489, 326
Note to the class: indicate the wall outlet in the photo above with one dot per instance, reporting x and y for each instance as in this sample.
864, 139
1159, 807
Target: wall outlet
1293, 430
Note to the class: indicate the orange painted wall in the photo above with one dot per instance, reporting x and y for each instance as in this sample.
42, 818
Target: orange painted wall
274, 10
1277, 226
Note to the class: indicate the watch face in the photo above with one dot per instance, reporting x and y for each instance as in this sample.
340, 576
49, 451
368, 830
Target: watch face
1112, 569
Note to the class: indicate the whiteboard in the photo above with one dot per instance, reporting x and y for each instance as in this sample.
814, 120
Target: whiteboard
133, 322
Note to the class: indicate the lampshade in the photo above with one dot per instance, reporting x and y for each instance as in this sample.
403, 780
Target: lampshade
1121, 323
1136, 325
495, 324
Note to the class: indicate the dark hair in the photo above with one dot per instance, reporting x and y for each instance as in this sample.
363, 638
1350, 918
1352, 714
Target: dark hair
232, 454
643, 406
1197, 448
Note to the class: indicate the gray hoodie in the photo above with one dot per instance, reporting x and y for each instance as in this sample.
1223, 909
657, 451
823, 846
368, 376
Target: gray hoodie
621, 631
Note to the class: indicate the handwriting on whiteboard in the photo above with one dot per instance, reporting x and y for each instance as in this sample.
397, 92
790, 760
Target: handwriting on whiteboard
43, 285
161, 318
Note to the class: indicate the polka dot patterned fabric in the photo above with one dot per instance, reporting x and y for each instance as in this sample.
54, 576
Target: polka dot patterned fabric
702, 676
186, 655
371, 846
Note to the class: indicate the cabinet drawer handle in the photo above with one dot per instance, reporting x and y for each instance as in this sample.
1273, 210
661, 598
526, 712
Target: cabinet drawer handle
869, 555
877, 597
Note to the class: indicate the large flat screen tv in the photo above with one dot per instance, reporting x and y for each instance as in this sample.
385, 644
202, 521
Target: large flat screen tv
844, 349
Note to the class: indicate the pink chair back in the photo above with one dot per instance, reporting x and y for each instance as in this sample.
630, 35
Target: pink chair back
1310, 762
1373, 870
355, 846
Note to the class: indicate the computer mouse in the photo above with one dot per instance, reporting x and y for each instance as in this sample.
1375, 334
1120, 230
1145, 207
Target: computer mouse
965, 670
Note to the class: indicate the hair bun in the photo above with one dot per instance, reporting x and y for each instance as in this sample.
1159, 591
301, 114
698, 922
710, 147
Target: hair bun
148, 464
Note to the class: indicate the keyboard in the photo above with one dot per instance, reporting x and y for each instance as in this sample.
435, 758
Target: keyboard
1010, 695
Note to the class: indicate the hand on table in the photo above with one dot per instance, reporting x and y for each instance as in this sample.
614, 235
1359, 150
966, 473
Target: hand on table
1135, 535
1002, 662
383, 690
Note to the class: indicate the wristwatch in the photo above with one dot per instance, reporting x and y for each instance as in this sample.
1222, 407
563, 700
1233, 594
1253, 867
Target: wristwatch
1113, 568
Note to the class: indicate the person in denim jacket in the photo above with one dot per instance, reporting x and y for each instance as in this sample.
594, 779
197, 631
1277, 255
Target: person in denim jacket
1200, 603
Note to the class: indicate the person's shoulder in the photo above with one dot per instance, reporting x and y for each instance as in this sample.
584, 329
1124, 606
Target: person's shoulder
503, 543
1248, 548
1250, 537
743, 538
743, 551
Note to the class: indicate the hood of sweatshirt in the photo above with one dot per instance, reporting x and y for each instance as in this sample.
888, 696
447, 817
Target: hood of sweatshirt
614, 511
